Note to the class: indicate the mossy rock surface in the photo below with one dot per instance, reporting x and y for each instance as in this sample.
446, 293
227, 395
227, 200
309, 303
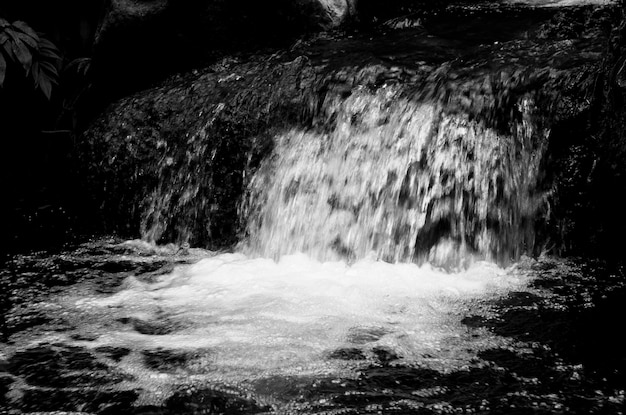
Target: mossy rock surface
173, 163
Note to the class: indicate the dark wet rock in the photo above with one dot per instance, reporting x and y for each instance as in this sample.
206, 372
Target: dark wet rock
22, 318
474, 321
520, 299
588, 163
225, 107
292, 388
405, 377
127, 16
149, 410
164, 360
384, 354
118, 270
577, 23
117, 266
5, 381
154, 327
88, 337
112, 352
60, 377
110, 284
134, 36
209, 401
577, 328
363, 335
146, 158
347, 353
101, 266
467, 386
121, 14
84, 400
382, 385
372, 12
473, 390
527, 365
60, 366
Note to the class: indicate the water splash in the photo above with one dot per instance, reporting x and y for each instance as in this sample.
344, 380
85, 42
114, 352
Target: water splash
250, 318
401, 179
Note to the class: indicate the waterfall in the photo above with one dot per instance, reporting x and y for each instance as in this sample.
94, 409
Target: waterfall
407, 146
399, 179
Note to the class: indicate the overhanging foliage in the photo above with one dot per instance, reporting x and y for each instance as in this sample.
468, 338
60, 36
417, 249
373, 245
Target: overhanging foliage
20, 45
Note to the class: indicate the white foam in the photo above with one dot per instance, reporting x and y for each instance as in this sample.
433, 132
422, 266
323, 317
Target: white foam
260, 317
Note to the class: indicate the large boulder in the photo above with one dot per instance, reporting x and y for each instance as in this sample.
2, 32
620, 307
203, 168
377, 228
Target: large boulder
174, 163
122, 14
139, 41
320, 14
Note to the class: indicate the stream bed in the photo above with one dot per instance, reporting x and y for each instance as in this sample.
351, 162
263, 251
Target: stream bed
127, 327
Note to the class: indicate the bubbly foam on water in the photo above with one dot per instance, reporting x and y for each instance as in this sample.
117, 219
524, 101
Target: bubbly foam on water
382, 178
257, 317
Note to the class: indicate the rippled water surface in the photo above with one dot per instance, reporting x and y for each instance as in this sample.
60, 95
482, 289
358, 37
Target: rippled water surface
258, 317
133, 326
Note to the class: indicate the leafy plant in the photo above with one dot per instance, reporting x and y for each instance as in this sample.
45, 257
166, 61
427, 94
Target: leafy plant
22, 46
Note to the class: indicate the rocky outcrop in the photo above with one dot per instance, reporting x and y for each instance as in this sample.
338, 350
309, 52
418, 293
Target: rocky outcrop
172, 163
320, 14
191, 139
141, 41
124, 12
591, 162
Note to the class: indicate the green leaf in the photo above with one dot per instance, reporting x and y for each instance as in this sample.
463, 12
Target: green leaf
3, 23
35, 73
23, 55
8, 48
12, 33
84, 66
28, 40
24, 28
45, 85
46, 44
3, 37
50, 71
49, 54
80, 65
52, 76
3, 69
49, 67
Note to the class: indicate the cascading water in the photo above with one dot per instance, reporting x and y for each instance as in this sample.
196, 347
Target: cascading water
401, 180
349, 184
429, 152
340, 218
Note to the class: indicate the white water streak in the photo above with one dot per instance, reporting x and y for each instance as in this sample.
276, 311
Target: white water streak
401, 179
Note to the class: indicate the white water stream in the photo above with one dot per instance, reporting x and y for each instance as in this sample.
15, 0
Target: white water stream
242, 319
392, 181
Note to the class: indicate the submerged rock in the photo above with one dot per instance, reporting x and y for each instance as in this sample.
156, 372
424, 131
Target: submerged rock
199, 133
114, 353
213, 402
347, 353
60, 366
60, 377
